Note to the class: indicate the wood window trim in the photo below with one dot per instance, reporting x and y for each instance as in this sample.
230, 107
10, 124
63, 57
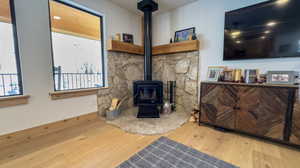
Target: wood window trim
13, 100
74, 93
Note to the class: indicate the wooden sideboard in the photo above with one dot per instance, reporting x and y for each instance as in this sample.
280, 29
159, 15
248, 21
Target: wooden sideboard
295, 131
262, 110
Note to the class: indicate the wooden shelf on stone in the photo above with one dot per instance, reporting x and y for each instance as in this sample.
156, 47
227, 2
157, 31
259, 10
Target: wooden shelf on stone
186, 46
119, 46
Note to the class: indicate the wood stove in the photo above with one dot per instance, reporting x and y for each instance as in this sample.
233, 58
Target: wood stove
148, 94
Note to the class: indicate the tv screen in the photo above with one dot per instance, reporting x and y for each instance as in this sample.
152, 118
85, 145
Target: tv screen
266, 30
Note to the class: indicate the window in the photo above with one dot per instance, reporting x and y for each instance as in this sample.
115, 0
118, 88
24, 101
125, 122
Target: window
10, 75
299, 46
77, 47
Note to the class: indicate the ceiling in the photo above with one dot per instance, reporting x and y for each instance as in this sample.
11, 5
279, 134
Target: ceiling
64, 19
164, 5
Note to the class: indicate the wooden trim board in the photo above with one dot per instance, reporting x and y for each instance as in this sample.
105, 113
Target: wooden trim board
186, 46
13, 100
74, 93
32, 133
253, 84
119, 46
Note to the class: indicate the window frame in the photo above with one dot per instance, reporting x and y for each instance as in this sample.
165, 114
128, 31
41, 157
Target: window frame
16, 50
75, 6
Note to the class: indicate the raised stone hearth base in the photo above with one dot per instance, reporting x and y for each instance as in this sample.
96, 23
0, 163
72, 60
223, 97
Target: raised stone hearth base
150, 126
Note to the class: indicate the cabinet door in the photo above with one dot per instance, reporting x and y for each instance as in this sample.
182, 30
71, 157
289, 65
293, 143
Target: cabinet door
261, 111
217, 104
295, 136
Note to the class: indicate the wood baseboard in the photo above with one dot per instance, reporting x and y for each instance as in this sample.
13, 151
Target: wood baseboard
35, 132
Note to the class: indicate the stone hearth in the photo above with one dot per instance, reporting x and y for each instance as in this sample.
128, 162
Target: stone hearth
182, 67
125, 68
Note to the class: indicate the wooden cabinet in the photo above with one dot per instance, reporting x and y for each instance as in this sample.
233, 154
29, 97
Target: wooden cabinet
295, 131
259, 110
218, 105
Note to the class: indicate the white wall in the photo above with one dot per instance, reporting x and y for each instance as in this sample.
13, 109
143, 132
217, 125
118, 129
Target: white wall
35, 52
161, 28
208, 18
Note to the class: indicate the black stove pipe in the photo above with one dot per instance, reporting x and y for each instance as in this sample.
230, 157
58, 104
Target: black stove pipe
148, 45
148, 6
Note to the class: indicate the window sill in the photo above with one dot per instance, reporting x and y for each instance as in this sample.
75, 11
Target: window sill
13, 100
74, 93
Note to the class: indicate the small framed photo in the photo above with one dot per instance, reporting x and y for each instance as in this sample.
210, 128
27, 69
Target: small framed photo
228, 75
183, 35
127, 38
214, 73
281, 77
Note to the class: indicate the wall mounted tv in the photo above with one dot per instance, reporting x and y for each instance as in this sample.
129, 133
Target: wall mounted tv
266, 30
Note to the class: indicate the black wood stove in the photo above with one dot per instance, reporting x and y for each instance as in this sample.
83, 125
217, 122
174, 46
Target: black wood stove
148, 94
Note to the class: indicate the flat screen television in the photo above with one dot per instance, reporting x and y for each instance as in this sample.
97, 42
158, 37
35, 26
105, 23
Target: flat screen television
266, 30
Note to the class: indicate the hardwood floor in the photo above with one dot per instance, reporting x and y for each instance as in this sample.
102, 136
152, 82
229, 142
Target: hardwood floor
96, 144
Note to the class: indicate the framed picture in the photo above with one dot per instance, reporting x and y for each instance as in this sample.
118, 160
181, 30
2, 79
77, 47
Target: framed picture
281, 77
214, 73
228, 75
237, 75
128, 38
183, 35
251, 75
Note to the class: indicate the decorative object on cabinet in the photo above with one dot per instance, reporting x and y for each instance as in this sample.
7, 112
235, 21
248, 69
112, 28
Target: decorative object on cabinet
281, 77
297, 78
266, 111
237, 75
214, 73
183, 35
262, 78
118, 37
127, 38
251, 75
228, 75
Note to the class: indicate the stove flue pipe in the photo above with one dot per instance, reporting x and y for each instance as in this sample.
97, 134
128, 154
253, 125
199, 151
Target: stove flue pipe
147, 6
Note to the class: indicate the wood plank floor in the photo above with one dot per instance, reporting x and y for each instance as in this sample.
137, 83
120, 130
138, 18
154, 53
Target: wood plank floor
98, 145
